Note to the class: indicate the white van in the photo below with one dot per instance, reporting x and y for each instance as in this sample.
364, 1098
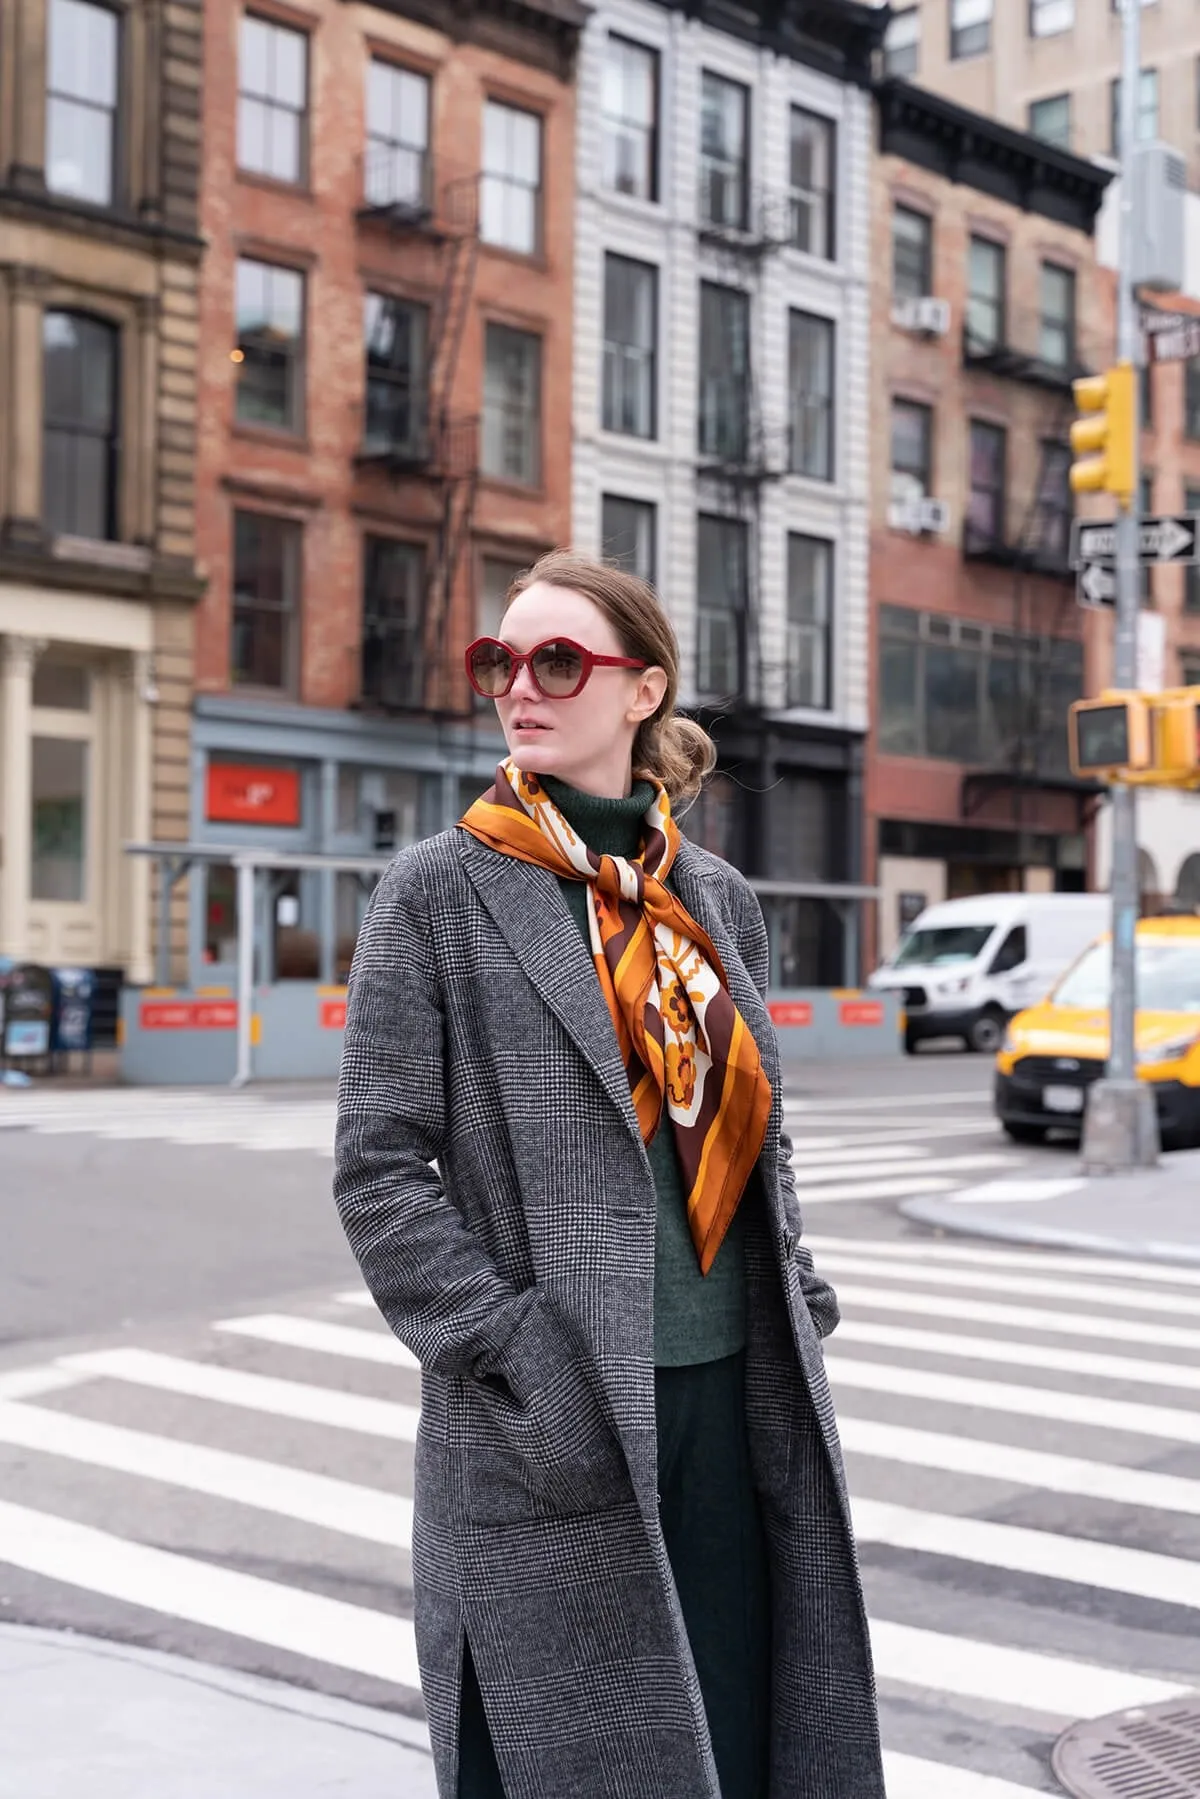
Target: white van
967, 965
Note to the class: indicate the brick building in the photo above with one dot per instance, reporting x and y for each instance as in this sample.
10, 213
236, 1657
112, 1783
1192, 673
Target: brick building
99, 260
386, 431
987, 302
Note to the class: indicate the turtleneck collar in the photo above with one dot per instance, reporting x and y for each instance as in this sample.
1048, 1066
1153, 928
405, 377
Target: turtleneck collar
609, 827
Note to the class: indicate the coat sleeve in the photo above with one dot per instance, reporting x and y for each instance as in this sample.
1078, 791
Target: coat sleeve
434, 1284
753, 947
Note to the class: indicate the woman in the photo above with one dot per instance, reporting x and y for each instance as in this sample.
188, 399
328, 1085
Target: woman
632, 1557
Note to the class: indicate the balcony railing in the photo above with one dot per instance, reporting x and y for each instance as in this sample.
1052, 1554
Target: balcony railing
1045, 352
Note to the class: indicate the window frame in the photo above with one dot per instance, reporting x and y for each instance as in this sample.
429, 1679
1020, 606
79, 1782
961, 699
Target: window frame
404, 387
611, 122
818, 630
1062, 142
982, 344
966, 39
509, 181
380, 627
646, 514
1068, 324
383, 149
532, 408
1149, 72
738, 167
1038, 10
289, 609
295, 357
115, 137
733, 532
271, 104
813, 326
1191, 399
824, 199
900, 403
925, 250
723, 429
903, 59
626, 365
995, 493
76, 428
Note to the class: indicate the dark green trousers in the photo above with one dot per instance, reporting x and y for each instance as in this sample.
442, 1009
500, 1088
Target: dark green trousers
714, 1535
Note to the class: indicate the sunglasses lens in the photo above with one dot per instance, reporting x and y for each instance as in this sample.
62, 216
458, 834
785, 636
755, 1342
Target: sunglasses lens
491, 668
557, 669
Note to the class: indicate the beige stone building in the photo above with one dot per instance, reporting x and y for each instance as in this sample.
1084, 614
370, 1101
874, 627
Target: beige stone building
99, 262
1051, 66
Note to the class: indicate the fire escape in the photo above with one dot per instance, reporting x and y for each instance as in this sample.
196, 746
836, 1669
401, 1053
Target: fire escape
417, 437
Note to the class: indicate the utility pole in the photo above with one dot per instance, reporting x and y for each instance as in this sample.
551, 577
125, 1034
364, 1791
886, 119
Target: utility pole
1121, 1127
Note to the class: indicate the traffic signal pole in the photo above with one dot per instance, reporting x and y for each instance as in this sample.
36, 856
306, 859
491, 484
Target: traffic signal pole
1121, 1126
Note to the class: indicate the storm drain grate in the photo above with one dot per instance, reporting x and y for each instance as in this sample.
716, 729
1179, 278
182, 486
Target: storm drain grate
1152, 1752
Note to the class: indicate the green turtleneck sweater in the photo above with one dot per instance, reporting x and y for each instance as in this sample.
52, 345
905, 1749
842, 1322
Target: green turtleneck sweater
697, 1318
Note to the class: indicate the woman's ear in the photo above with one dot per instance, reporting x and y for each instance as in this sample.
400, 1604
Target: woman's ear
648, 695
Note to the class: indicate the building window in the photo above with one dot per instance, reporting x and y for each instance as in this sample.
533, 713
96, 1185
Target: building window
511, 215
1050, 119
627, 529
720, 605
724, 372
512, 406
985, 508
912, 254
1146, 395
393, 622
397, 171
80, 365
82, 90
1055, 507
270, 336
59, 793
1147, 109
810, 395
1191, 586
987, 283
902, 42
970, 27
396, 334
813, 193
1048, 17
630, 103
266, 601
272, 99
724, 152
1057, 335
809, 618
630, 334
912, 451
1191, 399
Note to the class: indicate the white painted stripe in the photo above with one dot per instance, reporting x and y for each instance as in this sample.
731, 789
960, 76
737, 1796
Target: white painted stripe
1026, 1402
938, 1165
1040, 1683
877, 1189
930, 1249
838, 1153
289, 1492
262, 1611
323, 1338
909, 1777
902, 1101
1023, 1467
896, 1130
1022, 1355
1032, 1285
1031, 1318
28, 1383
1108, 1566
359, 1297
254, 1392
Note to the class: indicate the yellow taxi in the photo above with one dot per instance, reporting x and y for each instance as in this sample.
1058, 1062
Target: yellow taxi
1053, 1052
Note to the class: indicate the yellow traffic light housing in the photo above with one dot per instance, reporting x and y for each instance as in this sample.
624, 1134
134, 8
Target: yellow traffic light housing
1176, 732
1105, 438
1110, 737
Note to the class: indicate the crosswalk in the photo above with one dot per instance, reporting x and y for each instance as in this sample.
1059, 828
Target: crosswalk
846, 1151
1025, 1470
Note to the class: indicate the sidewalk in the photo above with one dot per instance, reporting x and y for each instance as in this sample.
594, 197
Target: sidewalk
1153, 1215
81, 1714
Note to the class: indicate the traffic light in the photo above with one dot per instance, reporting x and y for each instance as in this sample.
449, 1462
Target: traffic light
1104, 438
1110, 736
1176, 732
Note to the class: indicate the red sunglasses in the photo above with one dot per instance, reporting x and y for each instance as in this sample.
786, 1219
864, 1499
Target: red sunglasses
560, 668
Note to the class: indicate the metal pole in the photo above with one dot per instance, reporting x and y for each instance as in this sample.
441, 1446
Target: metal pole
1121, 1129
247, 930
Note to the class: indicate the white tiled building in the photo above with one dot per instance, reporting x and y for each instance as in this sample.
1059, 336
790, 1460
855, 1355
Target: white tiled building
722, 398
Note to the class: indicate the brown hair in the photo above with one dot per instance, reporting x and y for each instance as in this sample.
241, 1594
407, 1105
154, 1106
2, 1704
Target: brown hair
670, 748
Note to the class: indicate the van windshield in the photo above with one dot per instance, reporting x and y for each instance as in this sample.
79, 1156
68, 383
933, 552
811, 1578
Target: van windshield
937, 948
1168, 977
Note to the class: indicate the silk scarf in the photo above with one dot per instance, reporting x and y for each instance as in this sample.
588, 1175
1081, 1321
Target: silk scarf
687, 1050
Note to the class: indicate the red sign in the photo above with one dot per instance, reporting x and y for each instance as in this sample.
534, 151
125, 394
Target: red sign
243, 793
861, 1011
333, 1014
790, 1012
188, 1015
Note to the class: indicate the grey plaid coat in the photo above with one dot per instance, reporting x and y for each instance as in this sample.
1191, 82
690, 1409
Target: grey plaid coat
522, 1278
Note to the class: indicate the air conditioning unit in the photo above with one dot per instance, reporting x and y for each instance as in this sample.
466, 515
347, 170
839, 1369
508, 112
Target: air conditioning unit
927, 314
920, 517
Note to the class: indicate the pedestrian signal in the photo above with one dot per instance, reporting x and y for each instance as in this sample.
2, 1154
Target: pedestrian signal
1105, 439
1177, 735
1110, 736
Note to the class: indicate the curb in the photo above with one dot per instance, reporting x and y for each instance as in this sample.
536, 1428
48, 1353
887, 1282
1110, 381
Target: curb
945, 1215
249, 1689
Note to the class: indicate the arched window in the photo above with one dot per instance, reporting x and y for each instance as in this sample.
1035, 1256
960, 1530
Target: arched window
79, 357
1187, 884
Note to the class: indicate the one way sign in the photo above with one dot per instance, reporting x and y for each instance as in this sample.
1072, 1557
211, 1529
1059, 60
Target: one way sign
1172, 539
1096, 586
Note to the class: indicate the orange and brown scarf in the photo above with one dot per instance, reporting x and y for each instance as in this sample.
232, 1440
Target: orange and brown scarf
682, 1039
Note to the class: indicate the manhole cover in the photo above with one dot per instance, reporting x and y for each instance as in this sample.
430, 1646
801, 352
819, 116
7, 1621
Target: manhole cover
1152, 1752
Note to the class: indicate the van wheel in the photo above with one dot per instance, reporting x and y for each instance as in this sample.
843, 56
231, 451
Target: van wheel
1024, 1133
987, 1033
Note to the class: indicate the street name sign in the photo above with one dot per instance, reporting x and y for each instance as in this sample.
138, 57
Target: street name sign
1096, 585
1171, 336
1172, 539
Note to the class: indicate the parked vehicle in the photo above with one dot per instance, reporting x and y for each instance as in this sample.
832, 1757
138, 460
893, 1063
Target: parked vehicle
968, 965
1053, 1052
